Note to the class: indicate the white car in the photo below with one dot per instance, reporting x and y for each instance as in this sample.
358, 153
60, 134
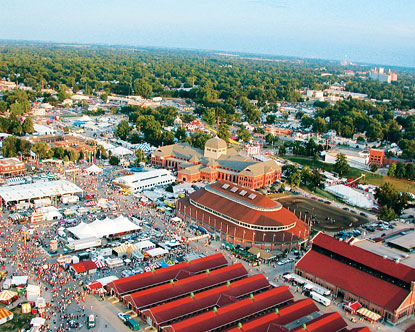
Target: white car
123, 316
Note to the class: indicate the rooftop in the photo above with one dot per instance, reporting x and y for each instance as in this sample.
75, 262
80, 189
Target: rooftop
148, 279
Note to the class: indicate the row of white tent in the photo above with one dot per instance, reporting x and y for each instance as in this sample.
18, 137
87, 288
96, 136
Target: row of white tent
103, 228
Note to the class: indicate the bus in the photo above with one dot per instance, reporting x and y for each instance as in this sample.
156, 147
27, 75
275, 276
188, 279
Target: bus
320, 299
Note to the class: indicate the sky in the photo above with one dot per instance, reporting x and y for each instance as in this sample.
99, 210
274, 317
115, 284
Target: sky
371, 31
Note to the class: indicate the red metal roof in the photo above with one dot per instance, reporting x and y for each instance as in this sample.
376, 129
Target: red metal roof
242, 212
285, 316
359, 329
233, 313
79, 267
355, 281
365, 257
250, 216
144, 280
84, 266
168, 291
207, 299
259, 200
330, 322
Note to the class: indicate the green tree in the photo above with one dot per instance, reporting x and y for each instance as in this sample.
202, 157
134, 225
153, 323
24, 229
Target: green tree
180, 134
341, 165
114, 161
223, 132
387, 214
123, 129
141, 156
41, 150
3, 106
244, 135
388, 196
373, 168
28, 126
294, 180
209, 116
319, 125
142, 88
282, 151
392, 170
10, 146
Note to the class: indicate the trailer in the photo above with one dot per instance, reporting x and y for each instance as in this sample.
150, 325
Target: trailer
87, 243
320, 299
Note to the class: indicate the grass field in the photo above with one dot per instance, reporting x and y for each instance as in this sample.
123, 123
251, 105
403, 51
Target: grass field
19, 321
370, 178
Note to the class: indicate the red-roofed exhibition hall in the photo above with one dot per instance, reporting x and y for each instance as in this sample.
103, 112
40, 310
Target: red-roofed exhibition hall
243, 216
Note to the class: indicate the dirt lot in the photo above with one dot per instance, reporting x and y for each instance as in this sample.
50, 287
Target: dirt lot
324, 216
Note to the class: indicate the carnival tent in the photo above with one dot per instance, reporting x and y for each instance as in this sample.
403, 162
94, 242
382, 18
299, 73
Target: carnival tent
26, 308
104, 228
5, 316
7, 296
93, 169
368, 314
121, 151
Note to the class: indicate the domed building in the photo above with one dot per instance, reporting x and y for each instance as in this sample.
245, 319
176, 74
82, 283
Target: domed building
216, 162
242, 216
215, 147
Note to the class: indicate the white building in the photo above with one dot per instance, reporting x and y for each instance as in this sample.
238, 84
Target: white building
41, 130
145, 180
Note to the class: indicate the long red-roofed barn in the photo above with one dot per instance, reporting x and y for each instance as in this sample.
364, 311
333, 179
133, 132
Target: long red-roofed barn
283, 317
145, 280
379, 284
149, 297
330, 322
231, 314
243, 216
188, 306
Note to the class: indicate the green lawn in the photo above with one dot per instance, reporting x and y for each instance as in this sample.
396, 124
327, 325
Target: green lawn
19, 321
374, 179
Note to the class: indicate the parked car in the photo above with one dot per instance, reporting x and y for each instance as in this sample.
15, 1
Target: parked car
123, 316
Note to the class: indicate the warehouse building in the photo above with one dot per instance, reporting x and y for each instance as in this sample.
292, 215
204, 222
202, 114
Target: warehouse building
242, 216
381, 285
240, 311
194, 304
141, 300
145, 180
145, 280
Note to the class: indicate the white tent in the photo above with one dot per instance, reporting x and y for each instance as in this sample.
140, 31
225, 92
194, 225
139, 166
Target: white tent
121, 151
352, 196
37, 321
32, 293
93, 169
157, 252
104, 228
26, 192
50, 213
19, 280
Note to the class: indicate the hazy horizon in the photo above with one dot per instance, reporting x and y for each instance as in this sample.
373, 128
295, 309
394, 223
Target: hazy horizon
354, 31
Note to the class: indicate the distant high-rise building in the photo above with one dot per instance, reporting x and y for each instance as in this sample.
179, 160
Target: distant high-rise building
379, 74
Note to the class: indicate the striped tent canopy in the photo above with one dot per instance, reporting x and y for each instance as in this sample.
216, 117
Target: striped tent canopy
16, 216
100, 264
7, 295
26, 308
124, 247
368, 314
5, 316
91, 203
144, 146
